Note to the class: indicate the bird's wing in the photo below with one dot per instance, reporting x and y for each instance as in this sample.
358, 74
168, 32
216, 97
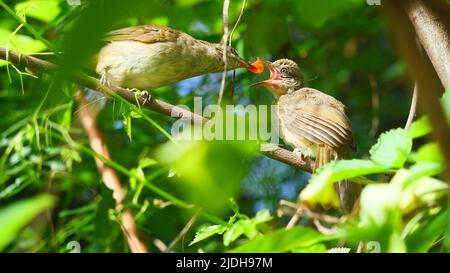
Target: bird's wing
315, 116
144, 33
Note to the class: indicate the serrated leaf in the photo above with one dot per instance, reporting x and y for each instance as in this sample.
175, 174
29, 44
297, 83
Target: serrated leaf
391, 149
248, 227
207, 232
15, 216
236, 230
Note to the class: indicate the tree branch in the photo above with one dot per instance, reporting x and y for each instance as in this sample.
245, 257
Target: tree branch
420, 66
270, 150
432, 33
412, 108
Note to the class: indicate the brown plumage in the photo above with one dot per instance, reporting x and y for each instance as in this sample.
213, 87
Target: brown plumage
314, 123
150, 56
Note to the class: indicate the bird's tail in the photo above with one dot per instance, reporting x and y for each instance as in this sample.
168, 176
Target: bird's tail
348, 192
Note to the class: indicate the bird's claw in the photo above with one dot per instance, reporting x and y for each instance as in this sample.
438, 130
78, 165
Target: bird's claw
301, 157
145, 96
104, 80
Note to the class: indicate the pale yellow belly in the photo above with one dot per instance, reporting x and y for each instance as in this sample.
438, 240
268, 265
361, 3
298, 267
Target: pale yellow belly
146, 66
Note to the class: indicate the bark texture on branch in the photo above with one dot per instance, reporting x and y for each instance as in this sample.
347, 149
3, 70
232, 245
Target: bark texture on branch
433, 34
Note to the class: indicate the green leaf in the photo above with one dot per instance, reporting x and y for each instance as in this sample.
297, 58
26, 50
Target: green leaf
44, 10
424, 169
249, 227
147, 162
233, 205
19, 42
379, 203
206, 232
15, 216
392, 149
429, 152
380, 217
283, 240
127, 123
236, 230
262, 216
320, 189
426, 233
317, 248
446, 244
424, 191
445, 102
420, 128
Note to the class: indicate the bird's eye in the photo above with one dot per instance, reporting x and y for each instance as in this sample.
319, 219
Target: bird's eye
284, 70
233, 50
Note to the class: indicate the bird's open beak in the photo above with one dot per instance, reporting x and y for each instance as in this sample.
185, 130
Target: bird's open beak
271, 81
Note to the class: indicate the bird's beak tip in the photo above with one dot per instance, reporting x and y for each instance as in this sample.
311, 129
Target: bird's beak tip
260, 84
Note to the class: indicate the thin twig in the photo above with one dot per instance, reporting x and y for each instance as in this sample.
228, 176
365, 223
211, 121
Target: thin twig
226, 4
412, 109
305, 211
294, 219
183, 232
237, 21
160, 245
322, 229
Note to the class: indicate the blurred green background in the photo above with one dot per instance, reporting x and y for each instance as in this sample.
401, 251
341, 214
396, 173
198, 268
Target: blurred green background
343, 48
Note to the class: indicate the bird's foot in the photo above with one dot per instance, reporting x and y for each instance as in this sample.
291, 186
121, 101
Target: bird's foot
145, 96
105, 81
300, 155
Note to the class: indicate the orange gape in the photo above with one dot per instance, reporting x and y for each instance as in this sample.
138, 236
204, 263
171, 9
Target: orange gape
258, 66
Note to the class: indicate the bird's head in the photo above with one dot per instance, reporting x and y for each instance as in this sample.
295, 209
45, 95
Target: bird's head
285, 77
233, 58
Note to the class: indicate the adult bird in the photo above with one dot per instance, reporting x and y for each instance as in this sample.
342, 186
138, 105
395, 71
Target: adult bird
151, 56
314, 123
